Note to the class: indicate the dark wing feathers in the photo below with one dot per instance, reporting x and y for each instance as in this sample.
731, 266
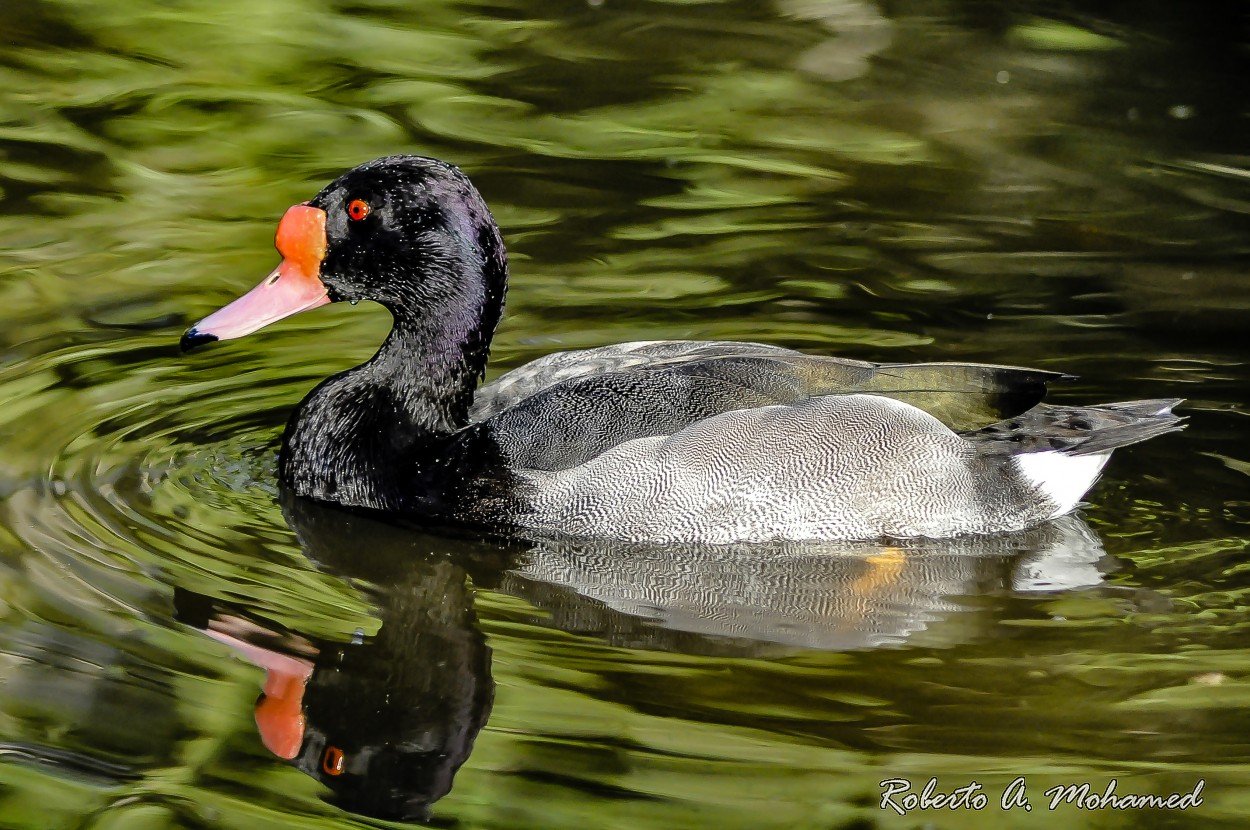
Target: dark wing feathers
549, 370
964, 396
565, 409
576, 420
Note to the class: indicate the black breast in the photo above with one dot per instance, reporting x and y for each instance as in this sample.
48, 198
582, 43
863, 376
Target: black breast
356, 445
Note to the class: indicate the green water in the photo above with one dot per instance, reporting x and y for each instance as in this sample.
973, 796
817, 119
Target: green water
1060, 186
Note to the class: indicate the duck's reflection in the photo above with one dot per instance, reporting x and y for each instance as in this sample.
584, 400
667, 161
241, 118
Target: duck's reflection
390, 719
831, 596
383, 721
386, 721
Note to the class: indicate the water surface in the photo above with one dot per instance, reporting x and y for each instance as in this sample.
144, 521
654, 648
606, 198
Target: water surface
998, 182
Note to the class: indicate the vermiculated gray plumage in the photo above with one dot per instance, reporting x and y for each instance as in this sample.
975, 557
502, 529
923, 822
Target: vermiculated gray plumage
732, 442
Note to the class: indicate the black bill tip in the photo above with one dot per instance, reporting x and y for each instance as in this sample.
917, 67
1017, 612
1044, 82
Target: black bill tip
192, 338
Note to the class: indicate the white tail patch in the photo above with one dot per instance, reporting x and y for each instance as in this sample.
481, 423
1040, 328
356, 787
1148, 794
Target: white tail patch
1063, 479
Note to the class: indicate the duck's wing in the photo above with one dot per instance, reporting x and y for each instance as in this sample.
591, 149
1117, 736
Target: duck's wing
963, 396
538, 375
568, 408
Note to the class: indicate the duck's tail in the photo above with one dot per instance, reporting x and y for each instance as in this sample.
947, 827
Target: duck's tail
1061, 450
1129, 422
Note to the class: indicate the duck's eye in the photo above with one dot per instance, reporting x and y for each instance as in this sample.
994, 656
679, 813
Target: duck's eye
332, 761
358, 209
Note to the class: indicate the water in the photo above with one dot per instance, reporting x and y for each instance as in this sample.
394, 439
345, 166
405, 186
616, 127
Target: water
921, 181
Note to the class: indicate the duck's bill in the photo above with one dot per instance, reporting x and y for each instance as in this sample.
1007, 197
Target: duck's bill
294, 286
279, 711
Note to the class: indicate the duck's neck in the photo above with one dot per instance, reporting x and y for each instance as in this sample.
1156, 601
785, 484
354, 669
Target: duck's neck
368, 437
429, 366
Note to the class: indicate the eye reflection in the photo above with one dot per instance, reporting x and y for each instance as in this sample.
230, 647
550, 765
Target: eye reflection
332, 761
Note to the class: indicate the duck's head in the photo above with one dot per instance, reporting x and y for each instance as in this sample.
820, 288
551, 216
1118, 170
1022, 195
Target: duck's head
408, 232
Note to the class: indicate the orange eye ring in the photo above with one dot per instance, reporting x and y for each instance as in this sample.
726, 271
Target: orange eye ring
358, 209
333, 761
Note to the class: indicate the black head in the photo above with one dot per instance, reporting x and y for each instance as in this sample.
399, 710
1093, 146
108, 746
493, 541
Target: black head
404, 231
413, 234
409, 232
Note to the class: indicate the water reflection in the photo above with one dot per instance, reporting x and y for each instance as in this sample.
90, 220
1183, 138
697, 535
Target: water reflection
385, 721
960, 180
748, 599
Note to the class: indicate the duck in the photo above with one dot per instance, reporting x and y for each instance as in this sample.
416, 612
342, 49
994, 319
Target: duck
652, 441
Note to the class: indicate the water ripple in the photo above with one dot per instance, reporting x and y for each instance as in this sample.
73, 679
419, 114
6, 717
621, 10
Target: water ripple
144, 472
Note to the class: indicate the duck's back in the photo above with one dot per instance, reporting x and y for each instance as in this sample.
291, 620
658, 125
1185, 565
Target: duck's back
738, 441
567, 408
